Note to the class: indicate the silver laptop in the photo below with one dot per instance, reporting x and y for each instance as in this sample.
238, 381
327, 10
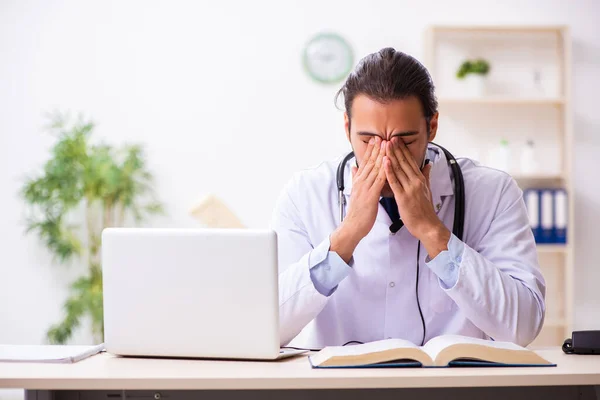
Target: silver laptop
201, 293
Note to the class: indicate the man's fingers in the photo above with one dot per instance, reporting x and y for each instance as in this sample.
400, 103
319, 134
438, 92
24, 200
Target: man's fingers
405, 158
370, 179
410, 158
391, 176
369, 163
395, 163
426, 172
381, 177
367, 155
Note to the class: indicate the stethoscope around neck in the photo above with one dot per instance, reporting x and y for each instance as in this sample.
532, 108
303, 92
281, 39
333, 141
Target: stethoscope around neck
459, 190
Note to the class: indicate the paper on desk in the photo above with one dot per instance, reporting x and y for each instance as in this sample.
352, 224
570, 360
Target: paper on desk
47, 353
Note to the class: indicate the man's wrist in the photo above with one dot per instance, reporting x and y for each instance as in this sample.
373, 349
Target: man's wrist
435, 240
343, 241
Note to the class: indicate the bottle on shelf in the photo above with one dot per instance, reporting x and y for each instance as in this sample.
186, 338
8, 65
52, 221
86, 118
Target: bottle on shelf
500, 157
528, 164
538, 87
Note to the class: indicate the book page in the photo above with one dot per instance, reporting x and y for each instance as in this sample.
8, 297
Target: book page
370, 347
378, 352
434, 346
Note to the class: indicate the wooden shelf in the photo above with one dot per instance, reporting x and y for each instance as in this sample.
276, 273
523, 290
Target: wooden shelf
501, 101
538, 177
552, 248
498, 28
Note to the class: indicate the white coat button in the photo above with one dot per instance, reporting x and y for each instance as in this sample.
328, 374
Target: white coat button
392, 284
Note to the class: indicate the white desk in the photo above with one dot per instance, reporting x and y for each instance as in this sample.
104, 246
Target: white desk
108, 377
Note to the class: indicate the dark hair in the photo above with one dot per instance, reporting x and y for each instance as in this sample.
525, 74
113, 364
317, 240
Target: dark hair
390, 75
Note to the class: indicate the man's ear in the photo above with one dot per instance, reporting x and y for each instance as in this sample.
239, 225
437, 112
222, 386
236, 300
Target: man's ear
347, 125
433, 126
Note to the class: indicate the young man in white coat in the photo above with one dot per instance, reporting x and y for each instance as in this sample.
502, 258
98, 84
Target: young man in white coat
363, 279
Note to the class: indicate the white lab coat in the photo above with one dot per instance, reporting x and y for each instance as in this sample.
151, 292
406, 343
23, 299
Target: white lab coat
500, 289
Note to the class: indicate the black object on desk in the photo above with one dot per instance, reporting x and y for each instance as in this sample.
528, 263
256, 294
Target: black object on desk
583, 342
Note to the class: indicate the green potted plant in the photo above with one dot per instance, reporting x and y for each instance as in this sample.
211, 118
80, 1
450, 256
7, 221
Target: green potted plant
83, 188
473, 73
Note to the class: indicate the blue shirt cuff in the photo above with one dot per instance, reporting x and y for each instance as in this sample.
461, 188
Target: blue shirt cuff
327, 269
447, 264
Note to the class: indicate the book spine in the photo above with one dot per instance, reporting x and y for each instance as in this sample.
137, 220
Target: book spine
561, 212
547, 216
532, 202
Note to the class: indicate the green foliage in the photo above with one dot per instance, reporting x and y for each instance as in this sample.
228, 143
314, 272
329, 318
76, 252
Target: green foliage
97, 185
85, 298
479, 66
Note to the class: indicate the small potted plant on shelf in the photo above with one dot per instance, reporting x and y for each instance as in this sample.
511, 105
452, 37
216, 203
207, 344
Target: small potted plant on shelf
474, 72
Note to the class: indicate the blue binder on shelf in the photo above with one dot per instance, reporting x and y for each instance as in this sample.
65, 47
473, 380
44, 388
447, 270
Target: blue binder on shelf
547, 216
532, 202
561, 214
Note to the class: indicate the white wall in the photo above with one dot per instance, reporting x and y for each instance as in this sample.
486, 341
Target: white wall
218, 95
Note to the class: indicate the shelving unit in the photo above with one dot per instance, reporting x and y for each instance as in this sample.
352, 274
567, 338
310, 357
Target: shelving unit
553, 249
499, 100
527, 97
549, 178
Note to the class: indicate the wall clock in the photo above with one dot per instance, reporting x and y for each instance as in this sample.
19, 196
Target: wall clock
328, 58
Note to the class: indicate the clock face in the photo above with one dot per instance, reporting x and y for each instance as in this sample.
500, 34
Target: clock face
328, 58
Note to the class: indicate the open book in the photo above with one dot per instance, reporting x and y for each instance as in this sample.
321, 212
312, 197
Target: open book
441, 351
